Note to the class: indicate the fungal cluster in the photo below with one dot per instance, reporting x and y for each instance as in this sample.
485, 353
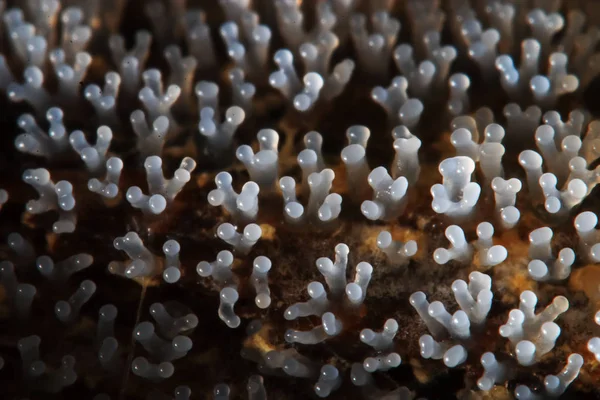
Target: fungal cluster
177, 174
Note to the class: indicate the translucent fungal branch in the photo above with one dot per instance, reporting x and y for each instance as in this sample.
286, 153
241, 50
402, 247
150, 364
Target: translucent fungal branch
161, 349
554, 385
459, 250
208, 95
363, 379
182, 393
70, 75
483, 49
243, 207
521, 123
457, 195
458, 103
465, 136
383, 341
314, 141
532, 164
474, 300
375, 46
57, 196
94, 156
578, 42
241, 242
106, 322
335, 272
26, 39
590, 148
249, 53
418, 301
397, 252
228, 297
109, 187
505, 196
219, 270
263, 166
75, 33
543, 187
68, 311
163, 191
285, 79
155, 99
172, 319
544, 26
290, 361
150, 139
452, 356
544, 267
515, 81
22, 247
141, 367
104, 100
338, 79
593, 344
406, 161
256, 388
290, 21
329, 381
357, 291
421, 77
557, 159
560, 202
533, 335
573, 126
260, 280
143, 262
172, 271
546, 89
382, 362
315, 83
221, 391
578, 167
31, 91
494, 372
330, 326
358, 134
220, 134
317, 305
29, 349
589, 237
322, 206
36, 372
557, 384
431, 73
130, 63
489, 153
20, 295
108, 353
389, 196
39, 143
61, 271
242, 91
6, 75
488, 254
400, 108
198, 38
357, 170
181, 70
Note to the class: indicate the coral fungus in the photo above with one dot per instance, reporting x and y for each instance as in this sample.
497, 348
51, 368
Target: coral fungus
285, 199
